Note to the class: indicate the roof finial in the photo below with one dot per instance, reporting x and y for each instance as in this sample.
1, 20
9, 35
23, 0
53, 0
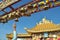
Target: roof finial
44, 19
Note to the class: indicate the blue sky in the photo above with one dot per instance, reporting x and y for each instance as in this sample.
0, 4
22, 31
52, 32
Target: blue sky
29, 22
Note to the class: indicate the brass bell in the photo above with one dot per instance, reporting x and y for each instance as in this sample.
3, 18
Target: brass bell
4, 21
35, 6
29, 6
16, 19
27, 14
22, 10
46, 8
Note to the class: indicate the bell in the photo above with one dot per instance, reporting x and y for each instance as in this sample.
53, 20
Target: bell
9, 15
27, 14
4, 21
22, 14
46, 8
35, 6
22, 10
30, 6
1, 19
47, 1
57, 3
16, 20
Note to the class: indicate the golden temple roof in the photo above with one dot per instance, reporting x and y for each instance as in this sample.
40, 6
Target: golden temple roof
18, 35
44, 26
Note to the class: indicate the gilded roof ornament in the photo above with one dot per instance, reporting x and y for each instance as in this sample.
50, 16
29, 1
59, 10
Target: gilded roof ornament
44, 26
44, 20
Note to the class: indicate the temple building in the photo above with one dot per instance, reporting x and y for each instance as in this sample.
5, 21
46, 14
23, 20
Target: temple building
44, 30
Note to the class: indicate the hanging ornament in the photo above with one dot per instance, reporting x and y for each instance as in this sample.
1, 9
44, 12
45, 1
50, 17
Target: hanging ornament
35, 6
29, 6
27, 14
22, 10
4, 21
16, 19
47, 1
46, 7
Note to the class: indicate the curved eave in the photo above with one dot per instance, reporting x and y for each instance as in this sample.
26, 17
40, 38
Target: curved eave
19, 36
24, 36
46, 30
9, 36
